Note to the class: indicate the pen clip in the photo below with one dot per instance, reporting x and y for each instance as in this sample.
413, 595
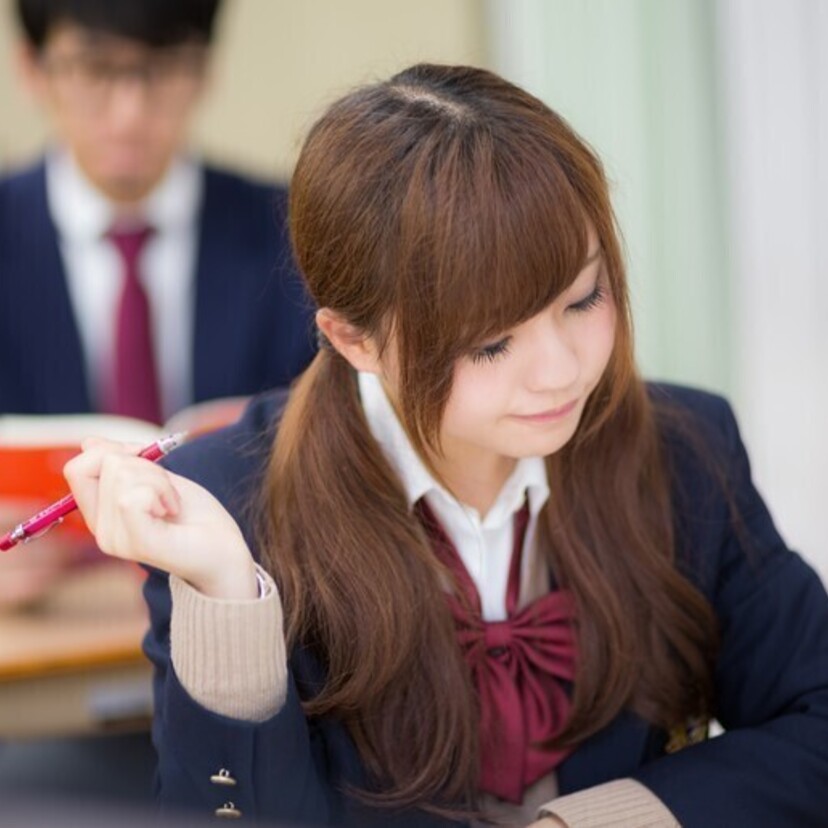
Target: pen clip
41, 533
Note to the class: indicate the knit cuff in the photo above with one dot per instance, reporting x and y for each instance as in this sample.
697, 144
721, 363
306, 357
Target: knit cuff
623, 803
230, 655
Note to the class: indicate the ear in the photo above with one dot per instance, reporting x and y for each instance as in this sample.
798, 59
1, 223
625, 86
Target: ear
29, 70
350, 342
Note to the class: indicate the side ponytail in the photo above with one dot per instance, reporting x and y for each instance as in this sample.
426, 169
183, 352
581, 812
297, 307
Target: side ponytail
361, 589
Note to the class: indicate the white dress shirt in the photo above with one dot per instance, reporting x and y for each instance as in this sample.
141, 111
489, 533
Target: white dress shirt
94, 269
485, 546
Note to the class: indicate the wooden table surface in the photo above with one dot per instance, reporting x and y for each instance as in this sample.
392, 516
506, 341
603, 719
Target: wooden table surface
73, 664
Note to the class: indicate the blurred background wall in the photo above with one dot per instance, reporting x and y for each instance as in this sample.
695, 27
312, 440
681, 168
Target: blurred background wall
277, 63
711, 117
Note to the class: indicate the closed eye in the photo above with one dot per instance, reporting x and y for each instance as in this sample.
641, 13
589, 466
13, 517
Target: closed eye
489, 353
589, 302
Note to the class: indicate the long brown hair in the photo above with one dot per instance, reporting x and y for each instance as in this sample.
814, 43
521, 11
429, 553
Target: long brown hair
443, 207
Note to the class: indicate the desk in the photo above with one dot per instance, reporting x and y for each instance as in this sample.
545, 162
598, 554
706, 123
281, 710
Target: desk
73, 665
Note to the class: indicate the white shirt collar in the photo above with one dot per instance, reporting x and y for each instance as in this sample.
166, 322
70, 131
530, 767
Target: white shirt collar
81, 212
528, 478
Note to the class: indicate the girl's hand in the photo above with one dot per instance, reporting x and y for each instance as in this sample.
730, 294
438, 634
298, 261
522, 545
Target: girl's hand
141, 512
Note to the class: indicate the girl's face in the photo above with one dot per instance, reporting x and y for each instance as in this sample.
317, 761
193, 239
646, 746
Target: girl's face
523, 393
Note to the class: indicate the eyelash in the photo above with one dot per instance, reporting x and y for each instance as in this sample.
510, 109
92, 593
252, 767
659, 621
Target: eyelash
491, 352
498, 349
593, 300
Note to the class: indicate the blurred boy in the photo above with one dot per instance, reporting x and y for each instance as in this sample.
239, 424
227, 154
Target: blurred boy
134, 278
215, 310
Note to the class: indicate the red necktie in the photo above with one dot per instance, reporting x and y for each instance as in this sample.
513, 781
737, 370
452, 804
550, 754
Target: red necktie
517, 666
133, 388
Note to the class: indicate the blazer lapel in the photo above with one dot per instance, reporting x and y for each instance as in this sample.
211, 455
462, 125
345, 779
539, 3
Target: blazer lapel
218, 328
50, 356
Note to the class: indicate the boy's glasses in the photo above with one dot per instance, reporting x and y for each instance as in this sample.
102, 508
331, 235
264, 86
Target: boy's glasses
87, 81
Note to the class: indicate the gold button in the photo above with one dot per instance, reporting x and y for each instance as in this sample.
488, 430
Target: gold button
222, 778
228, 811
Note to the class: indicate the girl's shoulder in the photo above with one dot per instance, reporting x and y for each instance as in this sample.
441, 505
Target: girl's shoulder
720, 518
698, 428
708, 410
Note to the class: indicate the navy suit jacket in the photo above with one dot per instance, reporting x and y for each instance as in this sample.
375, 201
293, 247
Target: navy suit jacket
770, 768
253, 319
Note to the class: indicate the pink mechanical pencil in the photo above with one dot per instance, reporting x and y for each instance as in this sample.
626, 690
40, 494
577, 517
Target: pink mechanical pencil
49, 517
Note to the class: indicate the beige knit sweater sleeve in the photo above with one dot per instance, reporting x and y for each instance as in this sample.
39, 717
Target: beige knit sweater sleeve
230, 655
623, 803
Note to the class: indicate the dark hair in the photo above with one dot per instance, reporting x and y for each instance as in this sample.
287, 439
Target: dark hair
443, 207
155, 23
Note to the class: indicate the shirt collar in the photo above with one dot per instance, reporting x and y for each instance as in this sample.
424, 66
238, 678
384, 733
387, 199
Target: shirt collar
527, 480
81, 212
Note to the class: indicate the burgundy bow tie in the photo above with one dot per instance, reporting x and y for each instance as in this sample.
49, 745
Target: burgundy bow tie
517, 666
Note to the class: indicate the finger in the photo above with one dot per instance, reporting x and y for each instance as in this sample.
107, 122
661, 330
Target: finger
119, 476
83, 473
171, 499
144, 528
126, 530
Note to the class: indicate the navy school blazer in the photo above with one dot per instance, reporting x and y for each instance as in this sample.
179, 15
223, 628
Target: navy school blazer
253, 320
769, 770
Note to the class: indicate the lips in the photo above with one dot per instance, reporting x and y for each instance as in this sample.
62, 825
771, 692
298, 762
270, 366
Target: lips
549, 415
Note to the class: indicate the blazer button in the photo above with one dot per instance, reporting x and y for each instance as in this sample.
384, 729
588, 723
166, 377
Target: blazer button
222, 778
228, 811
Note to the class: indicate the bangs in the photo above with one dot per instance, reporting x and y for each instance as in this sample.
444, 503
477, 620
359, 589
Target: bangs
495, 230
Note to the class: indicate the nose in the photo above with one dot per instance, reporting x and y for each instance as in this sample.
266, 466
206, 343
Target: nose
554, 364
128, 102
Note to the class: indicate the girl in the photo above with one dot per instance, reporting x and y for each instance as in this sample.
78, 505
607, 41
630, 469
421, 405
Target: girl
471, 567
